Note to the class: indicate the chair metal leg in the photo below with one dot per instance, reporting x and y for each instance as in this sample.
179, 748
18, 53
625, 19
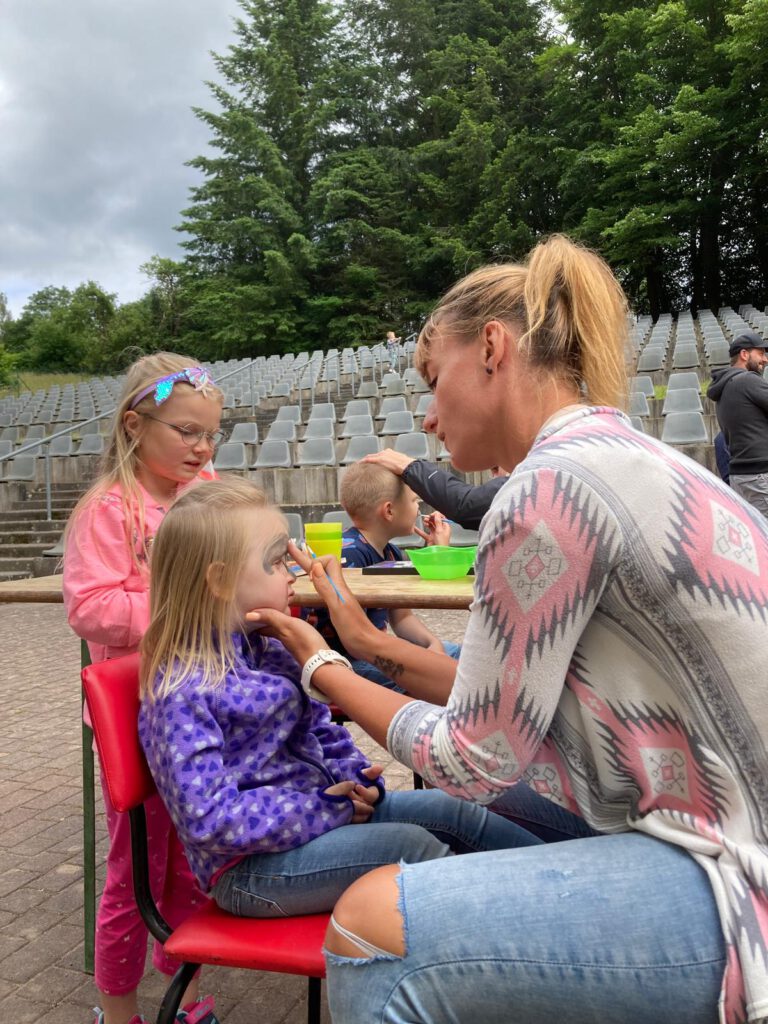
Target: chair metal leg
175, 991
314, 1001
89, 835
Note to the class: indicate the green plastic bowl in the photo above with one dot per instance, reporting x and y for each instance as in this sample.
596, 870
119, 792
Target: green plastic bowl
437, 562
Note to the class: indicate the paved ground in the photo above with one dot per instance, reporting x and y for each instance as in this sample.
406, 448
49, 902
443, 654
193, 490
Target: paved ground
41, 893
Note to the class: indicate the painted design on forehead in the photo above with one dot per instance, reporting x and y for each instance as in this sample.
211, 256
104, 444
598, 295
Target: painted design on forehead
275, 549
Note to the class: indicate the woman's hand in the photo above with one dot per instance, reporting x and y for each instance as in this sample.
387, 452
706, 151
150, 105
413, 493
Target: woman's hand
296, 635
437, 529
394, 461
350, 621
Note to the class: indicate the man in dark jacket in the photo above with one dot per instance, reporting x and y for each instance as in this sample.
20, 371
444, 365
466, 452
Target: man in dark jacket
741, 395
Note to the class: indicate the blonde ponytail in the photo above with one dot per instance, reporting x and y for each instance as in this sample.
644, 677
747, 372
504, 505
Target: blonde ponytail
565, 303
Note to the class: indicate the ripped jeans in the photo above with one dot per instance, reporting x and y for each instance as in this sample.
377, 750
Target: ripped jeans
616, 929
413, 826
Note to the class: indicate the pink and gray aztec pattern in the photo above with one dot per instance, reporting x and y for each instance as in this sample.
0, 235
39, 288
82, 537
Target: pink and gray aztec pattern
615, 660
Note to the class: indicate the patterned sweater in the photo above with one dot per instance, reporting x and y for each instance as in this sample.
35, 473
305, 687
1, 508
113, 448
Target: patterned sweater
242, 767
615, 659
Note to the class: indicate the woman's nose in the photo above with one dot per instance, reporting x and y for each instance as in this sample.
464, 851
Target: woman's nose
429, 424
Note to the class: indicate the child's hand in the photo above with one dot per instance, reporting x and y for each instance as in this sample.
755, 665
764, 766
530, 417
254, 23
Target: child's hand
438, 529
370, 794
362, 809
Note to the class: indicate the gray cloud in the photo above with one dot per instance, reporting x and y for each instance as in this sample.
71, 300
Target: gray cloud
95, 127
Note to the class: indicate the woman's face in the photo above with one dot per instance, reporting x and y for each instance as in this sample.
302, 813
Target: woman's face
465, 410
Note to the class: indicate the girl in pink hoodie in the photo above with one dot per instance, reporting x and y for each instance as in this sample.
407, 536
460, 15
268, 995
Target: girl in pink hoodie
166, 426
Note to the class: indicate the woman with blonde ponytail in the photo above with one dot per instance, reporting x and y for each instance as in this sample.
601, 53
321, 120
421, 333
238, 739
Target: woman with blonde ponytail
613, 661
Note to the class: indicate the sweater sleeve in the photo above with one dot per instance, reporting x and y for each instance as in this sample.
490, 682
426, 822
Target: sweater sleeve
464, 503
106, 600
184, 744
547, 550
757, 390
342, 757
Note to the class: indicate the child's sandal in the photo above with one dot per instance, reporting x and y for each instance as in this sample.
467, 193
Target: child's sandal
200, 1012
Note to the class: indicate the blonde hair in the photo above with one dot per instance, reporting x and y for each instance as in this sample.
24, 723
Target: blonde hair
190, 620
120, 460
364, 486
567, 305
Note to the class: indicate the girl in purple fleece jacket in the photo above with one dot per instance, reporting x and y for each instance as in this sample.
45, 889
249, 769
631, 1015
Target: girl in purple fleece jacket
266, 792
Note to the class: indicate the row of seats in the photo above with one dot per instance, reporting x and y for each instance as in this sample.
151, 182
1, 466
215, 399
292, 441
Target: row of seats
320, 451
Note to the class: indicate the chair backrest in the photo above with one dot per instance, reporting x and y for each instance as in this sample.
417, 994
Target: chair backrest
112, 692
246, 433
320, 427
91, 444
684, 428
388, 405
357, 407
398, 423
368, 389
230, 456
357, 426
359, 446
338, 516
295, 525
323, 411
317, 451
288, 412
282, 430
681, 400
274, 454
415, 444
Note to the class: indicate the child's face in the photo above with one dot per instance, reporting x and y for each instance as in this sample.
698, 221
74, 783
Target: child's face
265, 581
162, 452
405, 512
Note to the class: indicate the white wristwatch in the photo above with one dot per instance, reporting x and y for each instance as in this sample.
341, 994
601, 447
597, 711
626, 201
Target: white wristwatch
324, 656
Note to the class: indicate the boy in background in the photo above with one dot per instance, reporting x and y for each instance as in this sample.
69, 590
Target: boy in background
381, 506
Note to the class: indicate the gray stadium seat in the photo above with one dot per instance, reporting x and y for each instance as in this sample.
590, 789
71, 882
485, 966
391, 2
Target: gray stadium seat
423, 405
10, 434
295, 526
637, 423
6, 447
61, 445
339, 516
397, 423
395, 387
463, 538
23, 467
91, 444
359, 447
356, 407
357, 426
288, 412
388, 405
319, 428
318, 451
274, 455
681, 400
282, 430
414, 445
684, 357
323, 411
650, 361
368, 389
245, 433
683, 380
638, 404
684, 428
231, 457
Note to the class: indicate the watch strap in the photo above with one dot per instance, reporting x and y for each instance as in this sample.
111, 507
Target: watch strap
322, 657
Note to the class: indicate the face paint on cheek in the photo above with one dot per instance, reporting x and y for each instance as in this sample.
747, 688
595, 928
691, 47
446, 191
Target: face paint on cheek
273, 552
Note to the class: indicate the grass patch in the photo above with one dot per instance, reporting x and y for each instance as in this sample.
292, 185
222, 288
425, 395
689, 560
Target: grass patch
37, 381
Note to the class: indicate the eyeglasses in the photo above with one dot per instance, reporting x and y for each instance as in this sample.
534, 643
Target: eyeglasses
198, 377
191, 435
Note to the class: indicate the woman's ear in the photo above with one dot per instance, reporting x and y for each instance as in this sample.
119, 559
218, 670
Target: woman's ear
496, 338
215, 578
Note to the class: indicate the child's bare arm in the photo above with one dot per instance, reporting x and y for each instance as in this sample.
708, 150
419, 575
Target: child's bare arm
410, 627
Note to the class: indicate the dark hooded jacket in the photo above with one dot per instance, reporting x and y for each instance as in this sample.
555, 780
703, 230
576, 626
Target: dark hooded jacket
741, 397
466, 504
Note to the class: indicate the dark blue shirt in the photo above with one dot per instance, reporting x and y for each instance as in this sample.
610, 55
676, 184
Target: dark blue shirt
358, 552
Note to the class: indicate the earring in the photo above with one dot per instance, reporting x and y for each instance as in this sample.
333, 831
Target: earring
489, 371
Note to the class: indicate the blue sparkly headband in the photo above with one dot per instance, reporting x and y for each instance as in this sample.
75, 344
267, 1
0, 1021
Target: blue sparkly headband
194, 375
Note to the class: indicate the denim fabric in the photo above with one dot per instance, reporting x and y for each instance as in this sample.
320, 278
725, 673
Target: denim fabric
369, 671
619, 929
412, 826
542, 817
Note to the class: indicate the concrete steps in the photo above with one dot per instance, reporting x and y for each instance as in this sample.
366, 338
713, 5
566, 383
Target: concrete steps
26, 532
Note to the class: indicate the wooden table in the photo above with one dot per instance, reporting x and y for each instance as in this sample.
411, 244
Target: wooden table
371, 591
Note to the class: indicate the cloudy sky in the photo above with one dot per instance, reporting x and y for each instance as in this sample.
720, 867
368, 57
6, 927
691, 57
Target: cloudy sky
95, 127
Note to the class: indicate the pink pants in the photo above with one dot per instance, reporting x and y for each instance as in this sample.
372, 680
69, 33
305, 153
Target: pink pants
121, 935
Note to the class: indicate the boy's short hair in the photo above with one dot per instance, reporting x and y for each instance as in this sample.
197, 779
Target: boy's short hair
365, 485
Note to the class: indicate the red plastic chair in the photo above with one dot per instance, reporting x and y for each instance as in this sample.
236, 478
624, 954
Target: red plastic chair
210, 936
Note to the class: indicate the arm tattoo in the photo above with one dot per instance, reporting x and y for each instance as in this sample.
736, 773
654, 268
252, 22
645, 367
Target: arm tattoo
390, 668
